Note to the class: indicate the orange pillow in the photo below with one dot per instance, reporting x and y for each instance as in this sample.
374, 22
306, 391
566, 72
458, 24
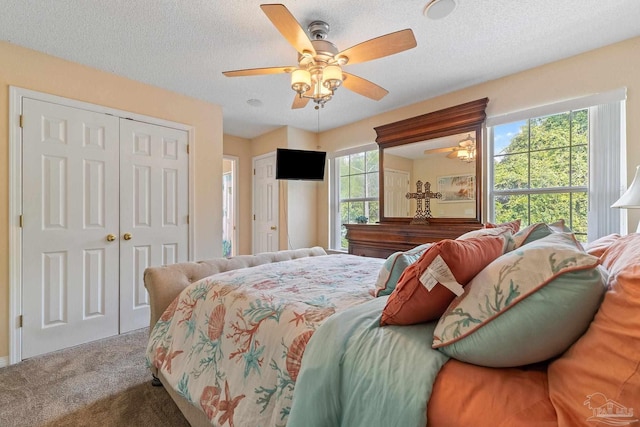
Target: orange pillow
600, 371
598, 246
514, 225
428, 286
470, 395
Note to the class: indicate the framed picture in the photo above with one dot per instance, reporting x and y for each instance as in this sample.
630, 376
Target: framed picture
457, 188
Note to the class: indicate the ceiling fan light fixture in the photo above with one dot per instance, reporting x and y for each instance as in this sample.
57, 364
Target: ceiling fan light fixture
332, 77
319, 70
468, 141
300, 80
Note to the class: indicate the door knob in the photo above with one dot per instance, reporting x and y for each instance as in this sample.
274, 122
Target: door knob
127, 236
111, 237
273, 227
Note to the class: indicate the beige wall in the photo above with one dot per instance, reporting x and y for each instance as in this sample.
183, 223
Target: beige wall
301, 197
241, 148
35, 71
298, 199
593, 72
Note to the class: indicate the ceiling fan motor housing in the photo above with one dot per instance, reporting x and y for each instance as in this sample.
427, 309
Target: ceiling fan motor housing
318, 30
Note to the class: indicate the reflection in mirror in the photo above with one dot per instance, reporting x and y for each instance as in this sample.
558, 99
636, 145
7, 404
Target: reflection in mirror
452, 139
447, 163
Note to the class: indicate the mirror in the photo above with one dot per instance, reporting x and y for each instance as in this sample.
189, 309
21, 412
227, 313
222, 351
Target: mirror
447, 164
443, 148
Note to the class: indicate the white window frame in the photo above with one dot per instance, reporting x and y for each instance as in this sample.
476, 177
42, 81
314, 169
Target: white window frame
335, 223
607, 156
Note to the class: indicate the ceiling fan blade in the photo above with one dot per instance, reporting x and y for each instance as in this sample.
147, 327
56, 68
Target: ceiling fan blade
285, 22
439, 150
363, 87
453, 154
299, 102
258, 71
379, 47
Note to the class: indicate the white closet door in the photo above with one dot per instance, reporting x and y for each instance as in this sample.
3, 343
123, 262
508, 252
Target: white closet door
265, 205
153, 210
70, 206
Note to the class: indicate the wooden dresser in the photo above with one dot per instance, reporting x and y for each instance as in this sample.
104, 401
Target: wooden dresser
381, 240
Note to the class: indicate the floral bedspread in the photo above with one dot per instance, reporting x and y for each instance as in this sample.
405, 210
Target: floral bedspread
232, 344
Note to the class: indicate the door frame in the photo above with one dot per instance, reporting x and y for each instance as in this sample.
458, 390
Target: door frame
235, 160
16, 95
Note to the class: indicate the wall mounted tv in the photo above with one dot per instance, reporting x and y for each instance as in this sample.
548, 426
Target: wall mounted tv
300, 164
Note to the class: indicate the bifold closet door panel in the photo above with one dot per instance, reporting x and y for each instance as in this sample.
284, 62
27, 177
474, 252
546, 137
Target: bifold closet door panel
70, 275
153, 210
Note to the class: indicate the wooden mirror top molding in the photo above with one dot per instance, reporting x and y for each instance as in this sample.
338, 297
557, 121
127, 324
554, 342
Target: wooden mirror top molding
426, 131
456, 119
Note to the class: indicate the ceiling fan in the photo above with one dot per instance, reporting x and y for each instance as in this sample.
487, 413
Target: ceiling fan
465, 150
319, 70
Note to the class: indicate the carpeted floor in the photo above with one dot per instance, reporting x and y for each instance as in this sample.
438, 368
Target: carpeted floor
104, 383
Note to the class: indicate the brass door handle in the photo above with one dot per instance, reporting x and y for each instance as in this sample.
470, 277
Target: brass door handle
111, 237
273, 227
127, 236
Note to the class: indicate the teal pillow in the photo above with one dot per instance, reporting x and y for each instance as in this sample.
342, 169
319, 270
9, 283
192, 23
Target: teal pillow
394, 266
537, 231
525, 307
529, 234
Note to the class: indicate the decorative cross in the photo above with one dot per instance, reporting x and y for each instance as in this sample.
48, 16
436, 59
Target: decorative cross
426, 195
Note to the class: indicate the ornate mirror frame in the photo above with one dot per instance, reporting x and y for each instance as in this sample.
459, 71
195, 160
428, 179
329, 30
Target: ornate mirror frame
461, 118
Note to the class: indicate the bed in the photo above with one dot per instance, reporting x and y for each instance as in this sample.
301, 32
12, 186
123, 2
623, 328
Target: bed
230, 353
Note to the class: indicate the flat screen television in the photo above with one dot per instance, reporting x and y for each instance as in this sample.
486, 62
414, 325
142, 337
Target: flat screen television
300, 164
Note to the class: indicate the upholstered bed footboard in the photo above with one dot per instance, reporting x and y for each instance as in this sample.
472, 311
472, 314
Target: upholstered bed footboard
165, 283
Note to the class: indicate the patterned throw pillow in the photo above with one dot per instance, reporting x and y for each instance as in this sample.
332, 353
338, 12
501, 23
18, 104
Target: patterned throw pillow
529, 234
426, 287
537, 231
394, 266
527, 306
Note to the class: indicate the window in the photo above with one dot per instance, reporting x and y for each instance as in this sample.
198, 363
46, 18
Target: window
541, 170
563, 161
354, 191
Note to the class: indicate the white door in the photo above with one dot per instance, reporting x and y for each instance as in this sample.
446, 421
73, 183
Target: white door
70, 206
396, 186
265, 204
154, 194
103, 198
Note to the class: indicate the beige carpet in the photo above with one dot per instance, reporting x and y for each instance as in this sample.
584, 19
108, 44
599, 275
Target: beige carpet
104, 383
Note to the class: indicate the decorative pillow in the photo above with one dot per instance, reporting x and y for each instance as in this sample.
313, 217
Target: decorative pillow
394, 266
527, 306
504, 232
428, 286
560, 227
514, 225
598, 246
487, 397
530, 233
601, 369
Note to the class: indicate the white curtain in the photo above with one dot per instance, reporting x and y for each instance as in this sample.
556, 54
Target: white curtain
607, 169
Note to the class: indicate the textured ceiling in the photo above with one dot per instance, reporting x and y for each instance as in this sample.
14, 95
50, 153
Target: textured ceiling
184, 45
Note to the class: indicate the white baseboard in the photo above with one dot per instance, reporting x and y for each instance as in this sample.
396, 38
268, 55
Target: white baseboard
4, 361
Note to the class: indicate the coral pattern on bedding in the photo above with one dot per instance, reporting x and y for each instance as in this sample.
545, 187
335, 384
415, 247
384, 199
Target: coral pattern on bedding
232, 344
